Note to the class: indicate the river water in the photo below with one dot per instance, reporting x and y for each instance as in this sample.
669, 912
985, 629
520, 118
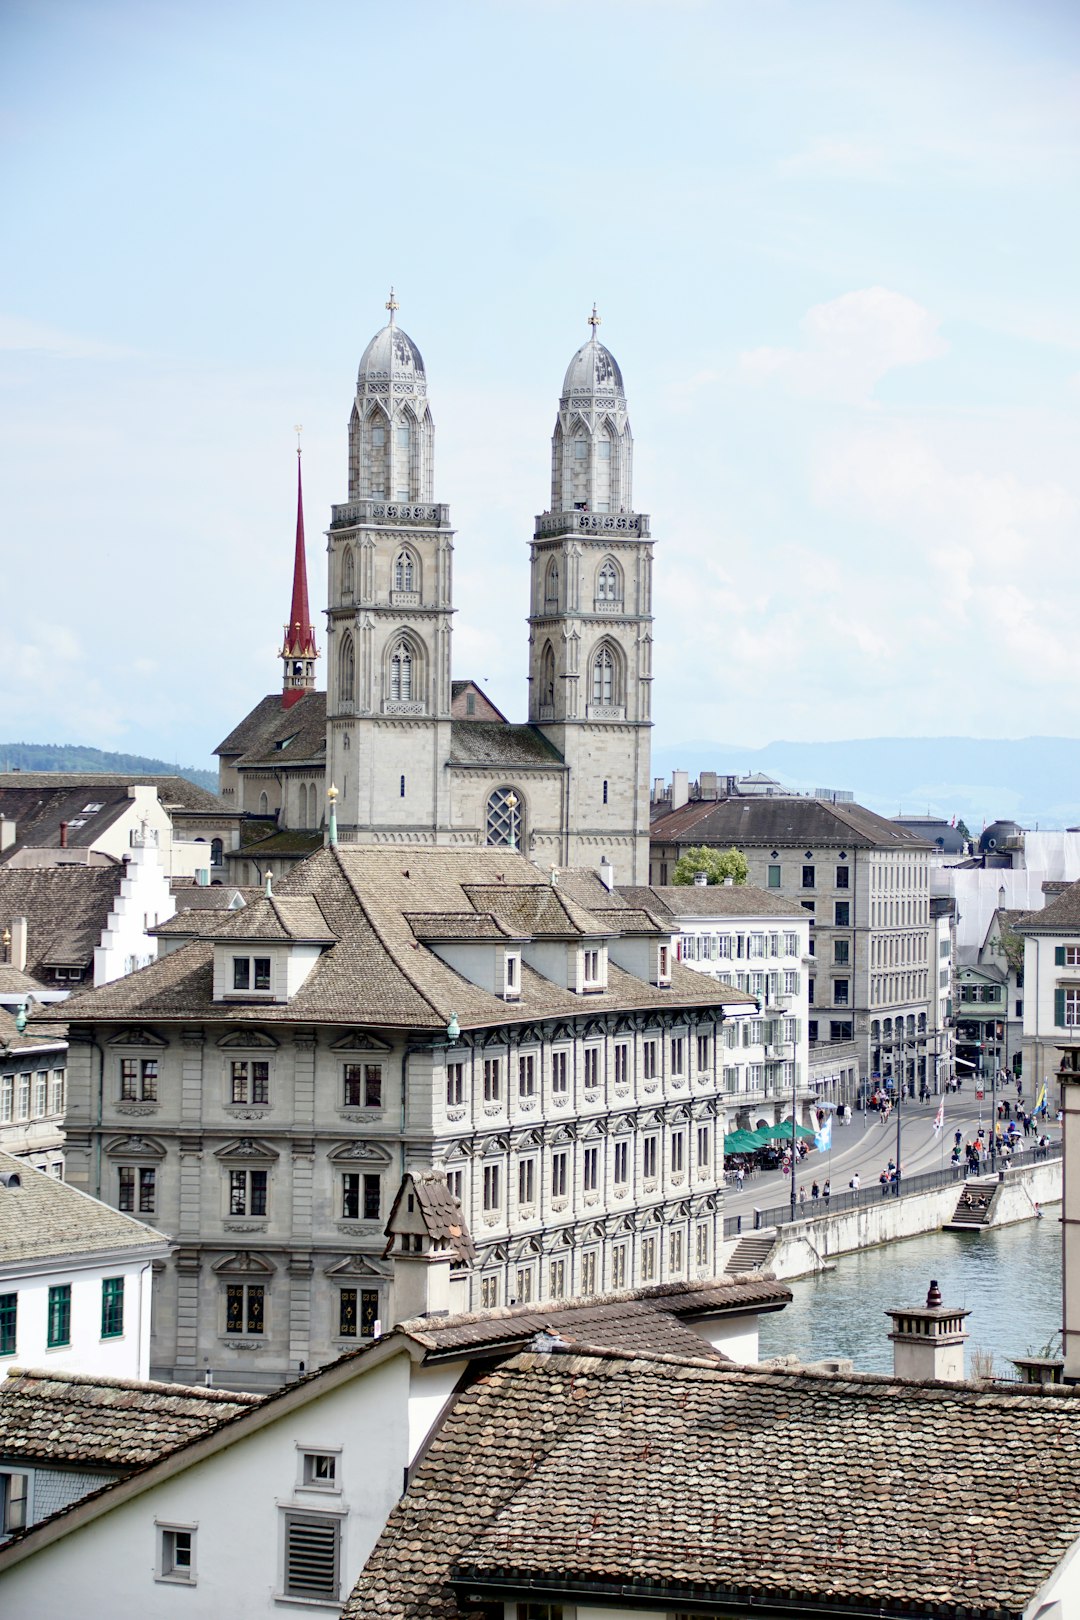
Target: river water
1009, 1279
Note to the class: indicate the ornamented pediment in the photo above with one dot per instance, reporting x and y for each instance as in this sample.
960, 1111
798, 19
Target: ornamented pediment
360, 1040
494, 1144
136, 1037
528, 1139
563, 1032
561, 1135
361, 1266
597, 1128
492, 1037
134, 1147
245, 1262
248, 1040
680, 1115
245, 1148
361, 1152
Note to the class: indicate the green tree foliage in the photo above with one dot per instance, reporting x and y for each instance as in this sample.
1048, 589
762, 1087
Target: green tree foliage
17, 756
962, 829
717, 864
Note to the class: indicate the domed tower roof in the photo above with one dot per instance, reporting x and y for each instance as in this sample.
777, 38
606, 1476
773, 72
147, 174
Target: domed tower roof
392, 358
594, 370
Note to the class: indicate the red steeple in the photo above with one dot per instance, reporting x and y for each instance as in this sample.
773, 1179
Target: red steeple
299, 650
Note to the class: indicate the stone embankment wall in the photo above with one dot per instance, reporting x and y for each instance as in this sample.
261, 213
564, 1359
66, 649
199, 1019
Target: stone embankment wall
807, 1246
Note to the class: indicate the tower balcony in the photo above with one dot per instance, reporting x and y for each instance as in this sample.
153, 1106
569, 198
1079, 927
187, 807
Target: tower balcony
379, 513
634, 525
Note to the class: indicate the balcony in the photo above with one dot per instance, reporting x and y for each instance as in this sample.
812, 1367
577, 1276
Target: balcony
380, 512
633, 525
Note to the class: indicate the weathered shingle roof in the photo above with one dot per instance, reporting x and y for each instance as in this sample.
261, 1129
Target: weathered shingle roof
66, 908
378, 972
41, 1218
271, 734
30, 1040
484, 742
75, 1418
88, 802
723, 1487
714, 900
440, 1212
735, 823
276, 918
1059, 916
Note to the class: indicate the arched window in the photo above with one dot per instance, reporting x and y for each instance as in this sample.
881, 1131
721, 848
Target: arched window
547, 677
348, 579
603, 676
404, 571
347, 669
377, 457
264, 805
551, 587
217, 851
401, 673
504, 819
608, 583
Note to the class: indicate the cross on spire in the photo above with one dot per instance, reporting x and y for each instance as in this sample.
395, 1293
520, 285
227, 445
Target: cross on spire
594, 319
391, 304
298, 429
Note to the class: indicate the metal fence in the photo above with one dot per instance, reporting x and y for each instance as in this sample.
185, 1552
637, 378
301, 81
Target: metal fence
757, 1220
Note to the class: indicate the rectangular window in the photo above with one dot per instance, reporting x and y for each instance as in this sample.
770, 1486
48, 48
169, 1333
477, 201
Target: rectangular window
176, 1554
112, 1307
774, 877
677, 1054
703, 1147
245, 1308
791, 944
260, 966
560, 1084
346, 1313
455, 1085
7, 1098
527, 1181
14, 1501
489, 1292
678, 1146
622, 1063
511, 974
363, 1085
454, 1179
56, 1104
649, 1059
842, 881
622, 1163
618, 1265
59, 1315
675, 1252
557, 1279
247, 1192
526, 1075
591, 1169
524, 1284
840, 992
560, 1171
41, 1095
319, 1471
9, 1317
140, 1182
312, 1557
588, 1272
840, 1030
648, 1259
250, 1082
841, 952
138, 1079
492, 1081
592, 967
701, 1245
241, 973
842, 914
808, 877
811, 1030
704, 1054
491, 1187
664, 962
649, 1154
791, 982
810, 991
592, 1067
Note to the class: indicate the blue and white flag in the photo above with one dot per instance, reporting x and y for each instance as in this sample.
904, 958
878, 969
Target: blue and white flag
823, 1137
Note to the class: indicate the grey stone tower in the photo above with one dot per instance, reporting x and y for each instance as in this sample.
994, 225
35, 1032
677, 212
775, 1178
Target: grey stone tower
590, 620
390, 606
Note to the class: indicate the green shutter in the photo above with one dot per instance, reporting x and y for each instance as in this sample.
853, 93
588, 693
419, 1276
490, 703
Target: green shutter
1059, 956
1059, 1009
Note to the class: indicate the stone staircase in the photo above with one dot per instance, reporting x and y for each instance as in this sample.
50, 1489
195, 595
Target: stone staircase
751, 1253
973, 1207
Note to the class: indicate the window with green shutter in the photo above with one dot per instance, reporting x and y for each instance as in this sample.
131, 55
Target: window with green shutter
112, 1307
59, 1316
9, 1315
1059, 1009
1059, 956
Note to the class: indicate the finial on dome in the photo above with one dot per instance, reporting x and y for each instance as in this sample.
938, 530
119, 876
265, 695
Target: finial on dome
392, 304
594, 319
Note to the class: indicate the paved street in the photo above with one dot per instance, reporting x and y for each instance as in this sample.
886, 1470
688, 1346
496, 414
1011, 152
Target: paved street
867, 1146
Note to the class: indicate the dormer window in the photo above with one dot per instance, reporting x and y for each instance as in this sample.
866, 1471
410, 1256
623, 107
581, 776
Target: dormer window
251, 973
593, 969
512, 975
663, 964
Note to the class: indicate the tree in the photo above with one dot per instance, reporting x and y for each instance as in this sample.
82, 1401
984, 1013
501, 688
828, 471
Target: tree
962, 829
717, 864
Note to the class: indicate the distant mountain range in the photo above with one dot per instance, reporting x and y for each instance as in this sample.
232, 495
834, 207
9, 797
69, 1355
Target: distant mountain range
73, 757
1032, 780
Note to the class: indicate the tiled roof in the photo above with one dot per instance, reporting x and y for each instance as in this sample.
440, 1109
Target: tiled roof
299, 841
66, 908
30, 1040
727, 1488
1059, 916
276, 918
484, 742
212, 896
714, 900
78, 1419
271, 734
14, 982
42, 1218
89, 803
812, 823
438, 1208
367, 896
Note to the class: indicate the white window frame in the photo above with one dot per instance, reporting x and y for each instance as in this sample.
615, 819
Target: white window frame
166, 1567
307, 1460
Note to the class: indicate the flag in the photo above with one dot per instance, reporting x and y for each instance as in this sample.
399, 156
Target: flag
939, 1117
823, 1137
1040, 1101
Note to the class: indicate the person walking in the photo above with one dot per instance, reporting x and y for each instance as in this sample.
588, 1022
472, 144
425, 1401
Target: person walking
815, 1192
826, 1191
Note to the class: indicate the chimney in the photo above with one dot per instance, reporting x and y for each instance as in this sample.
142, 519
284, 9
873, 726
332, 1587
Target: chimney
928, 1341
700, 880
18, 943
63, 835
607, 873
707, 785
680, 789
729, 883
7, 833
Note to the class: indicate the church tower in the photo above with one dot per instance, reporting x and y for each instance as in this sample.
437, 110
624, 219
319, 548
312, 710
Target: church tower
298, 649
590, 620
390, 608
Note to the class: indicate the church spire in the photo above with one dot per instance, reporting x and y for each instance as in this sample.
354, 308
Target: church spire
299, 651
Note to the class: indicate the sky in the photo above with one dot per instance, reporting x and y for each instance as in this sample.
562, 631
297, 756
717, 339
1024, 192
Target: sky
834, 247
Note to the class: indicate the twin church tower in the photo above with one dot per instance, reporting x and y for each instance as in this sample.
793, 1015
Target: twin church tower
419, 758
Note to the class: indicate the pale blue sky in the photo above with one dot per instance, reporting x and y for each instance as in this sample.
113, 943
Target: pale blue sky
835, 251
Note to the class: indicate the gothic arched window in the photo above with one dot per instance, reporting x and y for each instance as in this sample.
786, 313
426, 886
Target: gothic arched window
404, 571
608, 582
604, 676
217, 851
551, 587
547, 677
347, 572
401, 673
347, 670
504, 820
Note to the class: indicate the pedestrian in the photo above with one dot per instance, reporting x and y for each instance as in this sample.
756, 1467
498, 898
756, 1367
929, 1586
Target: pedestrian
802, 1196
958, 1138
740, 1176
854, 1185
884, 1180
826, 1191
815, 1192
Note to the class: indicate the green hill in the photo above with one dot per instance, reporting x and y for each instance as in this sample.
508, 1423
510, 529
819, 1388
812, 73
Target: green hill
73, 757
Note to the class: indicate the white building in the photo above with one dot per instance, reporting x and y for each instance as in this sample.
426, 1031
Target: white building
75, 1278
1051, 990
33, 1072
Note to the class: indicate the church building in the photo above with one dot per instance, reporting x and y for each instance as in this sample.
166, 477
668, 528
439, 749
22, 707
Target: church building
418, 758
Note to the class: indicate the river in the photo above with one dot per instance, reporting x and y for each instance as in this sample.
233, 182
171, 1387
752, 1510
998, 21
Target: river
1009, 1279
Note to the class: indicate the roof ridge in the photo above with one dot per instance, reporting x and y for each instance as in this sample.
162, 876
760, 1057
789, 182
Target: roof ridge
152, 1386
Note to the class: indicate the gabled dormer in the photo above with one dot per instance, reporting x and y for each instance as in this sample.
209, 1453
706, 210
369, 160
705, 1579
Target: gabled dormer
265, 952
476, 945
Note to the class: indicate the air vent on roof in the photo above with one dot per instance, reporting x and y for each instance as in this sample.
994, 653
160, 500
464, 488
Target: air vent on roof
10, 1178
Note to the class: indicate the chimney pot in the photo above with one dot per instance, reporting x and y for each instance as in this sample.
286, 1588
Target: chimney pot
933, 1298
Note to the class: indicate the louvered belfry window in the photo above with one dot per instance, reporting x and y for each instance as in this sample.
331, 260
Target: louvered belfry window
311, 1557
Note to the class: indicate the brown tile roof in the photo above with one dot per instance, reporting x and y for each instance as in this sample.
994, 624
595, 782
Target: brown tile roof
42, 1218
66, 908
274, 918
567, 1474
273, 735
714, 900
114, 1422
30, 1040
485, 742
14, 982
1059, 916
299, 841
813, 823
367, 896
38, 801
439, 1210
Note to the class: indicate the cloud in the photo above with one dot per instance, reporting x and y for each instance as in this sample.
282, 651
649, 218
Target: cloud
834, 158
849, 344
18, 335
